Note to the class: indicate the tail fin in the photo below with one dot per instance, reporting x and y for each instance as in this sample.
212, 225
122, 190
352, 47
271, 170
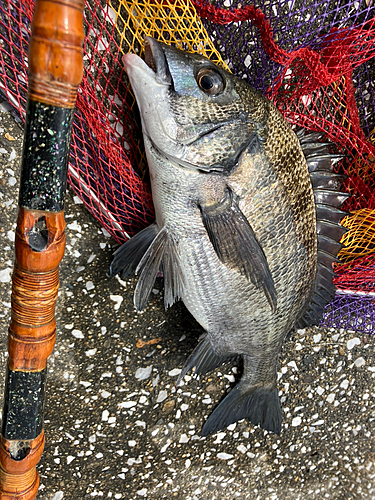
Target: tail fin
259, 405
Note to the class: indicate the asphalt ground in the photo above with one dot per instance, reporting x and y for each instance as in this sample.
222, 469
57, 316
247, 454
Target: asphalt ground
116, 425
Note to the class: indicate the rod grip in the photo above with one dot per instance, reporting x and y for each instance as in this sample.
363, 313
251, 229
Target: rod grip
55, 52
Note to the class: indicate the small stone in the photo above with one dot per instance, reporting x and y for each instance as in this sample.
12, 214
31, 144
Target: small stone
341, 351
330, 398
168, 407
353, 342
344, 384
296, 421
175, 372
9, 137
359, 362
224, 456
5, 275
77, 334
162, 396
143, 373
212, 389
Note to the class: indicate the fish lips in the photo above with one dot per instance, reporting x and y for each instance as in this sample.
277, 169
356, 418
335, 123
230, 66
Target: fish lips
155, 59
155, 63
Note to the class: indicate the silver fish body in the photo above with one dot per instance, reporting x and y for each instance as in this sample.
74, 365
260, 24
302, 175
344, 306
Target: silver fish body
236, 221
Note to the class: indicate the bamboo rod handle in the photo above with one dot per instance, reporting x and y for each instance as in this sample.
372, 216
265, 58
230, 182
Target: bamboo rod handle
55, 71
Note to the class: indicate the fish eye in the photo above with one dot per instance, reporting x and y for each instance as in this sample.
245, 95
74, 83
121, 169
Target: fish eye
210, 81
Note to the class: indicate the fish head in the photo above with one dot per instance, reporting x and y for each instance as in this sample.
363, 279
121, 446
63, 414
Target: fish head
196, 114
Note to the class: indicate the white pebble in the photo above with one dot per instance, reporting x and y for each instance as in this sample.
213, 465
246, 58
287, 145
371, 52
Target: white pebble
69, 459
77, 200
319, 422
296, 421
165, 446
105, 394
118, 300
143, 373
344, 384
77, 334
12, 181
132, 444
11, 235
91, 352
242, 448
330, 398
74, 226
317, 338
224, 456
5, 275
12, 155
162, 396
58, 496
106, 233
184, 438
184, 407
187, 463
293, 365
105, 415
359, 362
352, 342
90, 285
142, 492
127, 404
175, 372
319, 390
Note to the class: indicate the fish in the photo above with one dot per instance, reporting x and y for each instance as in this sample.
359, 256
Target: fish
247, 221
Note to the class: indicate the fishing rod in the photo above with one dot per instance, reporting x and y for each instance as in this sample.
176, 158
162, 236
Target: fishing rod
55, 71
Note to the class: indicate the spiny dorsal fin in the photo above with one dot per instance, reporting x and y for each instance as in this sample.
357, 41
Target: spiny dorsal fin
328, 201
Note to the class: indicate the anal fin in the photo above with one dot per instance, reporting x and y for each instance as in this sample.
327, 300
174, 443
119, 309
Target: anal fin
162, 251
203, 358
127, 256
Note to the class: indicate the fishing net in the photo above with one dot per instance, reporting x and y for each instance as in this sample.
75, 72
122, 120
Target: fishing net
313, 59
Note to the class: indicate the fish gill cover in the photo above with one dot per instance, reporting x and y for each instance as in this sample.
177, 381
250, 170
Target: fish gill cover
313, 59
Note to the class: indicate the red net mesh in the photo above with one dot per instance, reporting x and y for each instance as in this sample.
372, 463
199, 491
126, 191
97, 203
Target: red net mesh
314, 59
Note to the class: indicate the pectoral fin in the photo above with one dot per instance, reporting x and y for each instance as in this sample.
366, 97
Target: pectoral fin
236, 245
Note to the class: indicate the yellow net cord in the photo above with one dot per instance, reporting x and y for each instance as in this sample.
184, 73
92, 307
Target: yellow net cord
171, 22
359, 241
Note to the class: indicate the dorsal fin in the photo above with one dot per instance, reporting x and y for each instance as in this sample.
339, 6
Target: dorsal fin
328, 200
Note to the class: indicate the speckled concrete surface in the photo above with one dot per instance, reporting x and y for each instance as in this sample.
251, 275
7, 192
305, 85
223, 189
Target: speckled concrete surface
117, 427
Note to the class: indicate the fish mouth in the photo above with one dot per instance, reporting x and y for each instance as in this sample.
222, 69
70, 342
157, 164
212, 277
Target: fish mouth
155, 60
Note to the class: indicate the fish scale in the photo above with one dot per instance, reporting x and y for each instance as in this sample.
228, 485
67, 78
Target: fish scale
237, 221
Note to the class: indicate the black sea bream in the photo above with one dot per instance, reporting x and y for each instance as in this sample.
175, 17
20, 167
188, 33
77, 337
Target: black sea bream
247, 221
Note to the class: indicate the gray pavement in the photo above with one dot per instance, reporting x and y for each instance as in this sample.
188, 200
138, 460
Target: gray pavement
117, 427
